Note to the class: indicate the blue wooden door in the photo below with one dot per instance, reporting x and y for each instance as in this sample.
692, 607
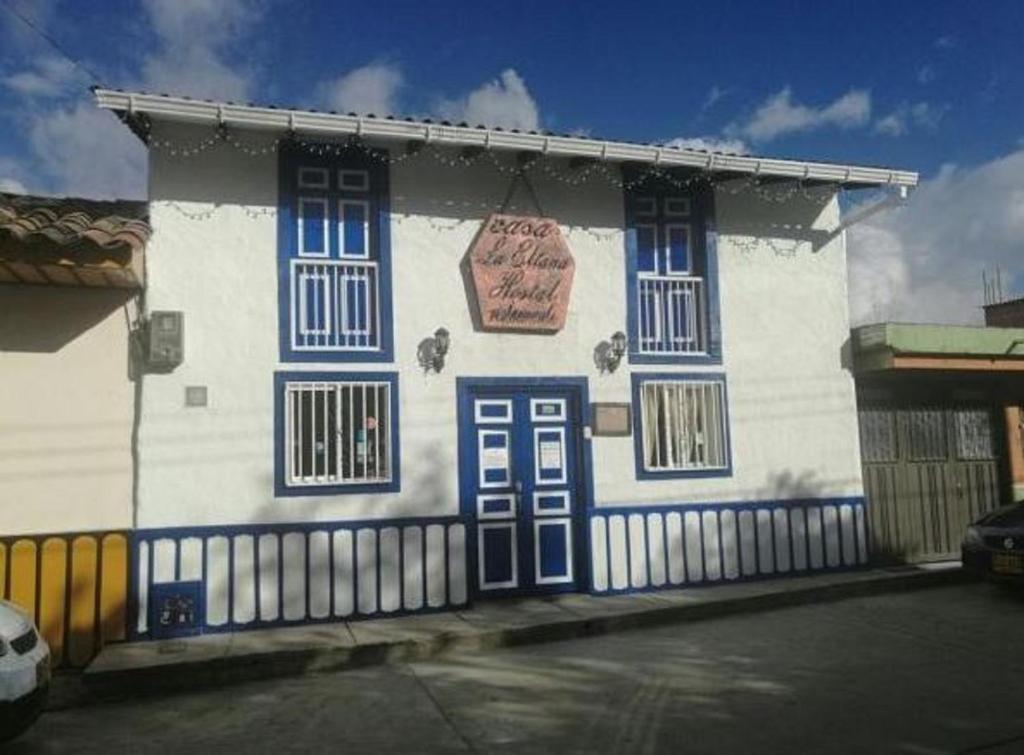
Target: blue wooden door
520, 485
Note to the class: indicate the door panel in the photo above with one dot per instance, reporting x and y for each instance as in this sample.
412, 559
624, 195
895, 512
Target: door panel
553, 550
498, 554
929, 470
521, 480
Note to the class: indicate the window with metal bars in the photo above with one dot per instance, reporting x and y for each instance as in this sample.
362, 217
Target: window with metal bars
926, 433
671, 274
682, 426
879, 441
334, 257
338, 433
974, 434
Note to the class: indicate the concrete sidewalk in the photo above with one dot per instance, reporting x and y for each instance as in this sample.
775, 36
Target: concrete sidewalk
160, 667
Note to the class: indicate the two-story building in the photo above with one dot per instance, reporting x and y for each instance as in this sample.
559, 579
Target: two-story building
427, 364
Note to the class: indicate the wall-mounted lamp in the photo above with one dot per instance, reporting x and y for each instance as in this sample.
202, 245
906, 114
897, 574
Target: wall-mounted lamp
608, 354
432, 351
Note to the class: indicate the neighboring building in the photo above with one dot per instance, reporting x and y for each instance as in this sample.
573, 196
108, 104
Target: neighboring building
322, 452
940, 431
70, 276
1005, 314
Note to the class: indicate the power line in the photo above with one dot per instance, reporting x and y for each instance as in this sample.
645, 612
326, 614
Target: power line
51, 41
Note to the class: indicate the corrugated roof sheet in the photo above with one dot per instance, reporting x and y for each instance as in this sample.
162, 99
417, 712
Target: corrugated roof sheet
426, 121
131, 104
71, 241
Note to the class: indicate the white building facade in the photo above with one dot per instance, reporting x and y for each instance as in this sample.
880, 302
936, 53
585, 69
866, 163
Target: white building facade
316, 458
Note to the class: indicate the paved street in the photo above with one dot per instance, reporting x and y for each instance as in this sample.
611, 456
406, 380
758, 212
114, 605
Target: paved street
935, 671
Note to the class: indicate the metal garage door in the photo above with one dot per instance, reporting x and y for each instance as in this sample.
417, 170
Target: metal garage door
929, 471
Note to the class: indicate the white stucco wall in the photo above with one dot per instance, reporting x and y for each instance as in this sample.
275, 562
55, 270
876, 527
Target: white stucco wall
213, 256
65, 410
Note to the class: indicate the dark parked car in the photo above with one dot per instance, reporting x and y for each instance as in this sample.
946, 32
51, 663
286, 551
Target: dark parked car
994, 545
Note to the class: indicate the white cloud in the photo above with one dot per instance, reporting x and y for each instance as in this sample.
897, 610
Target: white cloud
75, 148
371, 89
47, 77
10, 177
193, 36
923, 263
894, 124
504, 102
900, 120
715, 94
12, 186
88, 153
709, 144
780, 115
928, 116
925, 74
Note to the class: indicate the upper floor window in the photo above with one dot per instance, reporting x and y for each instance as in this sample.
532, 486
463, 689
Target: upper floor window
335, 288
672, 276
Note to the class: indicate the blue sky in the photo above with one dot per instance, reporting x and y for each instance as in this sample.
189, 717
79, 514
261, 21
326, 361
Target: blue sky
936, 87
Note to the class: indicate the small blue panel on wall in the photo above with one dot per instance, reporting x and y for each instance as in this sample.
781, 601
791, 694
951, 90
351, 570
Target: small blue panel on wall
176, 609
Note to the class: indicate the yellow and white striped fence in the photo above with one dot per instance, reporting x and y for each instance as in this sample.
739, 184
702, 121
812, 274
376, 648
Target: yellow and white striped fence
74, 585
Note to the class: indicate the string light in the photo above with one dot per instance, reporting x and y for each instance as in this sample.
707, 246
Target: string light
747, 245
752, 185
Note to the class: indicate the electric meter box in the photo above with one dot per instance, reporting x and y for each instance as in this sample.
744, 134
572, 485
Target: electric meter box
166, 339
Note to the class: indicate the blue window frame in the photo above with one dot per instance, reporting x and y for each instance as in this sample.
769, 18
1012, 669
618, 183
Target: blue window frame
334, 256
336, 432
681, 425
671, 275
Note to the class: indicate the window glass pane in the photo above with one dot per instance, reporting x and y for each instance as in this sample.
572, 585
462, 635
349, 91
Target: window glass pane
678, 242
312, 226
354, 180
645, 206
306, 433
974, 434
677, 206
331, 421
646, 244
353, 235
313, 178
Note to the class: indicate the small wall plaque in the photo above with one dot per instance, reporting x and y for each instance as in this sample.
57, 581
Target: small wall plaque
612, 419
196, 395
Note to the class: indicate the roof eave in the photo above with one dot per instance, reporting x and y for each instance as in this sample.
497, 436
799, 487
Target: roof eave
130, 105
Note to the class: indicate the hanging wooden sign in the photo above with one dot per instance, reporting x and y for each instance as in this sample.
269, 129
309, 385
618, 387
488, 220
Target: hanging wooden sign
522, 273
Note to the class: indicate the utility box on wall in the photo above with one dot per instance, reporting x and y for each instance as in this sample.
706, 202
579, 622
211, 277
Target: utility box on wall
176, 609
166, 340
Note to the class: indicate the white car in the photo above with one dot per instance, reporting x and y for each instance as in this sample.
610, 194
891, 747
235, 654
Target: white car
24, 671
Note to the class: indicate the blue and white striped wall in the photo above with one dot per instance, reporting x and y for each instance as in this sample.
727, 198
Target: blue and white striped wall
649, 547
276, 575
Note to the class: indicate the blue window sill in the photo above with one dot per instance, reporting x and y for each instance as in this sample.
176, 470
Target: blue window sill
637, 358
682, 474
383, 355
637, 380
297, 491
